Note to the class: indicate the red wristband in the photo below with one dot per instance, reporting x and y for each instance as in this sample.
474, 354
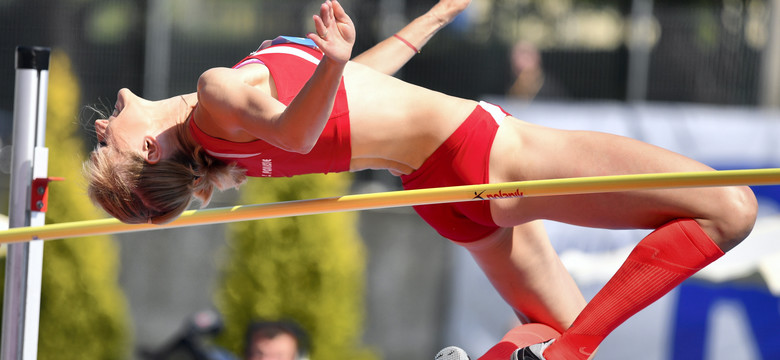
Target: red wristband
407, 43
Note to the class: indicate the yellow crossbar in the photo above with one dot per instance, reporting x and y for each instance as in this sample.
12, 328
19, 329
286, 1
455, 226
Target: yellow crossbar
567, 186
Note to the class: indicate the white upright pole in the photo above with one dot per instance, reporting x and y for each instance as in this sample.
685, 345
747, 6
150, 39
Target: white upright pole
21, 305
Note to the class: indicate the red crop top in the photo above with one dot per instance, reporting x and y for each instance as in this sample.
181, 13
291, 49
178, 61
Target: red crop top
291, 65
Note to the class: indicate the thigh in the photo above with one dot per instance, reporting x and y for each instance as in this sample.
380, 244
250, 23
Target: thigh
524, 151
522, 265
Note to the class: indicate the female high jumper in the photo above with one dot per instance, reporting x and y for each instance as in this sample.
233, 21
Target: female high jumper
300, 106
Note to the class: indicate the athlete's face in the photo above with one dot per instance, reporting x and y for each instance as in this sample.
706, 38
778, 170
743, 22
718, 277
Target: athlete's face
140, 125
129, 123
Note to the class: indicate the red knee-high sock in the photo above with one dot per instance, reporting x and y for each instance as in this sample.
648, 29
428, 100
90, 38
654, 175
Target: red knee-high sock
661, 261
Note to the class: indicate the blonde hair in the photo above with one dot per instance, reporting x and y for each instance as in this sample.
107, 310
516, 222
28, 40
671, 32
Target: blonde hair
135, 191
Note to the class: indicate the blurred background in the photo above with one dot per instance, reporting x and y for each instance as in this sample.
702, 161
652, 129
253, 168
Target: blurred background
698, 77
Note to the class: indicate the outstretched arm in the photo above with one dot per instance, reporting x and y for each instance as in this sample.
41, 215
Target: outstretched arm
393, 53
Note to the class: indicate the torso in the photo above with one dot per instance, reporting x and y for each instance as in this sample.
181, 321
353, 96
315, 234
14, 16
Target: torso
396, 125
393, 125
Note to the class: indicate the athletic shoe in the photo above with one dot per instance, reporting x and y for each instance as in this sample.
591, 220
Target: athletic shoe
533, 352
452, 353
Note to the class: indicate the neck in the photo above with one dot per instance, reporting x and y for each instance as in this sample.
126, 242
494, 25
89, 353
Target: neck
182, 106
189, 100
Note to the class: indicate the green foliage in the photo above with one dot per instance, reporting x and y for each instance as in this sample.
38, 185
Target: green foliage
83, 311
307, 268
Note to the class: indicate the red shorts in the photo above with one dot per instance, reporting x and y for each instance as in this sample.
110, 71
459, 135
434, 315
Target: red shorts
463, 159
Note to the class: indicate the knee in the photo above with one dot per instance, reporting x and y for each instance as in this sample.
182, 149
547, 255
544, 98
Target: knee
737, 215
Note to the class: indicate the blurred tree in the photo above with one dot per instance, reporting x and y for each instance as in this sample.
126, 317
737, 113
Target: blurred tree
307, 268
83, 311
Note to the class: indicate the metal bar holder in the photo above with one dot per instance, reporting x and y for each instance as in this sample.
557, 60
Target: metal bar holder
29, 161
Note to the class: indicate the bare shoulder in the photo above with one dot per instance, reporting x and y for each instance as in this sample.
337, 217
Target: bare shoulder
216, 87
231, 101
218, 76
214, 101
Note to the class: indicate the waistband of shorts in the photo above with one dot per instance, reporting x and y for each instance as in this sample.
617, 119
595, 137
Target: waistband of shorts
482, 109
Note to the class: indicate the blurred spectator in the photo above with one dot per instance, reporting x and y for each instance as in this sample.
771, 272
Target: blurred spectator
275, 340
527, 69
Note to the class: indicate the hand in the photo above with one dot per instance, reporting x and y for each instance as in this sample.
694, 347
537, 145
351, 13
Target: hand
447, 10
335, 32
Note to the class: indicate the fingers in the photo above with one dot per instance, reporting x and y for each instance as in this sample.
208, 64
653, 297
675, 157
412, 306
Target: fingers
326, 13
320, 21
324, 21
331, 13
339, 13
319, 35
334, 30
319, 26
